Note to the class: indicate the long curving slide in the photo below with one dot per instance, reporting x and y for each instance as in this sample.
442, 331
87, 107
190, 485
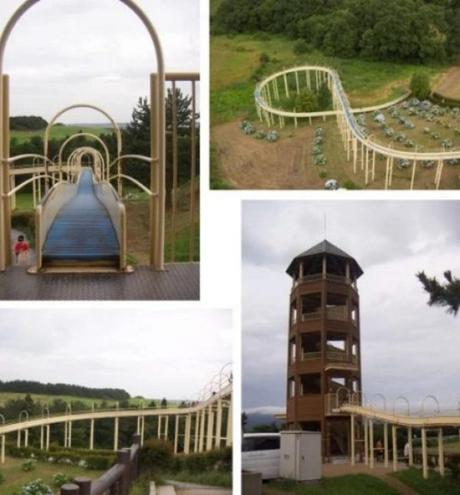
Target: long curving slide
81, 225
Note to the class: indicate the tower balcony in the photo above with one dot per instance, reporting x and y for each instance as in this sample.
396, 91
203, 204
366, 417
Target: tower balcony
311, 362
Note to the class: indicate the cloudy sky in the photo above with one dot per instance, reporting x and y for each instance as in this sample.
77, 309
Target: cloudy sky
408, 347
155, 354
94, 51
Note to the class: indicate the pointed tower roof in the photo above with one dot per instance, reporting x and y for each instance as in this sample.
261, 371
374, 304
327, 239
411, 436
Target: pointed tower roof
324, 247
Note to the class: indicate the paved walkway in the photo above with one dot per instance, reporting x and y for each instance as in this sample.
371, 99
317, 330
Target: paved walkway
379, 471
180, 281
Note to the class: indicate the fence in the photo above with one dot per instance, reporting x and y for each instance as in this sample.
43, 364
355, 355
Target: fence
116, 481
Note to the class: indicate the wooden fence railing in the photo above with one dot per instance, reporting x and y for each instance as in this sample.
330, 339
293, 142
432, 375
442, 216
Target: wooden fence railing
116, 481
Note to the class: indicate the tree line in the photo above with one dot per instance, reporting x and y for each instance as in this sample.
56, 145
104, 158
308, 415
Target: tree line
393, 30
32, 387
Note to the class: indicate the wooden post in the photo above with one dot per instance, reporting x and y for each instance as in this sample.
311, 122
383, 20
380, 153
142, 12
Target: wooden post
70, 489
352, 435
157, 173
411, 447
366, 443
441, 453
2, 449
197, 431
84, 484
229, 434
5, 208
424, 455
48, 432
202, 434
42, 437
385, 443
91, 435
218, 424
176, 434
395, 448
188, 429
115, 433
209, 436
371, 443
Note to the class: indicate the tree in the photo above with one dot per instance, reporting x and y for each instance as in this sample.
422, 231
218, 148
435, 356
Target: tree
447, 295
420, 85
324, 97
300, 47
306, 101
164, 403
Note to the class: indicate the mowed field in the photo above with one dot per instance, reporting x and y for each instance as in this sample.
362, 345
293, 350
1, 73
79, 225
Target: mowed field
44, 399
235, 59
58, 132
449, 84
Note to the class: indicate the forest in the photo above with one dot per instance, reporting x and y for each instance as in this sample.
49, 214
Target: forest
417, 31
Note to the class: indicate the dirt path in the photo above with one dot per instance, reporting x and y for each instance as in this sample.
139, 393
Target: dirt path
332, 470
249, 163
449, 84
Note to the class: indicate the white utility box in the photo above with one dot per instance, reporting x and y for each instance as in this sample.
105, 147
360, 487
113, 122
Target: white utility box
300, 455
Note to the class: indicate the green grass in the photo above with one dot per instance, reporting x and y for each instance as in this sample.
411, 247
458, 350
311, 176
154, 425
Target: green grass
15, 477
24, 201
235, 59
356, 484
6, 396
58, 132
434, 485
211, 478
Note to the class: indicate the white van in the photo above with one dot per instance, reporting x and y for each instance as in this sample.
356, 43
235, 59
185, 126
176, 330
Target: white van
261, 454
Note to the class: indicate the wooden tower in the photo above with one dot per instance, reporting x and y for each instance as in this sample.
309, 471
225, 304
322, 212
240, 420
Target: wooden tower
324, 352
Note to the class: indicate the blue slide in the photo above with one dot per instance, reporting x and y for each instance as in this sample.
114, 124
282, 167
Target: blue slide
82, 231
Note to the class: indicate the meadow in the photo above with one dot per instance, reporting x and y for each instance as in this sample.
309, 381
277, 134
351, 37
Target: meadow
58, 132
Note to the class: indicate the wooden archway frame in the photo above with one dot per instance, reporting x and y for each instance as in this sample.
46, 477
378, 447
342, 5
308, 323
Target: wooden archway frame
157, 141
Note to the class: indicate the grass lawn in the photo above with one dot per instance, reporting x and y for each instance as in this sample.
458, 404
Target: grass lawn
58, 132
5, 396
234, 60
434, 485
15, 477
211, 478
356, 484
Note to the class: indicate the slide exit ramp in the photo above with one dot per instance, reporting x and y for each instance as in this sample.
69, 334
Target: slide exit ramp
81, 227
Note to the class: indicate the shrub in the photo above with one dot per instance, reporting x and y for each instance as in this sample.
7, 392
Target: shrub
420, 86
36, 487
301, 46
453, 463
156, 454
322, 174
217, 460
60, 479
28, 465
264, 58
99, 462
306, 101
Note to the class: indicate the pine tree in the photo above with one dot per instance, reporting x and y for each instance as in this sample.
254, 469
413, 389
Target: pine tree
447, 295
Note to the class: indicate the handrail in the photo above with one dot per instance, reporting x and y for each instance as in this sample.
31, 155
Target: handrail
25, 183
134, 181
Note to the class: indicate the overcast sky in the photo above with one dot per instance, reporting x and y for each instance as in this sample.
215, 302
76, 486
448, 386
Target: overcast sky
408, 347
155, 354
94, 51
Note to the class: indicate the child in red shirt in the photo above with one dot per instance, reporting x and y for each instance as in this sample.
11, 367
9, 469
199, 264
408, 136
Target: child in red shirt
21, 250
